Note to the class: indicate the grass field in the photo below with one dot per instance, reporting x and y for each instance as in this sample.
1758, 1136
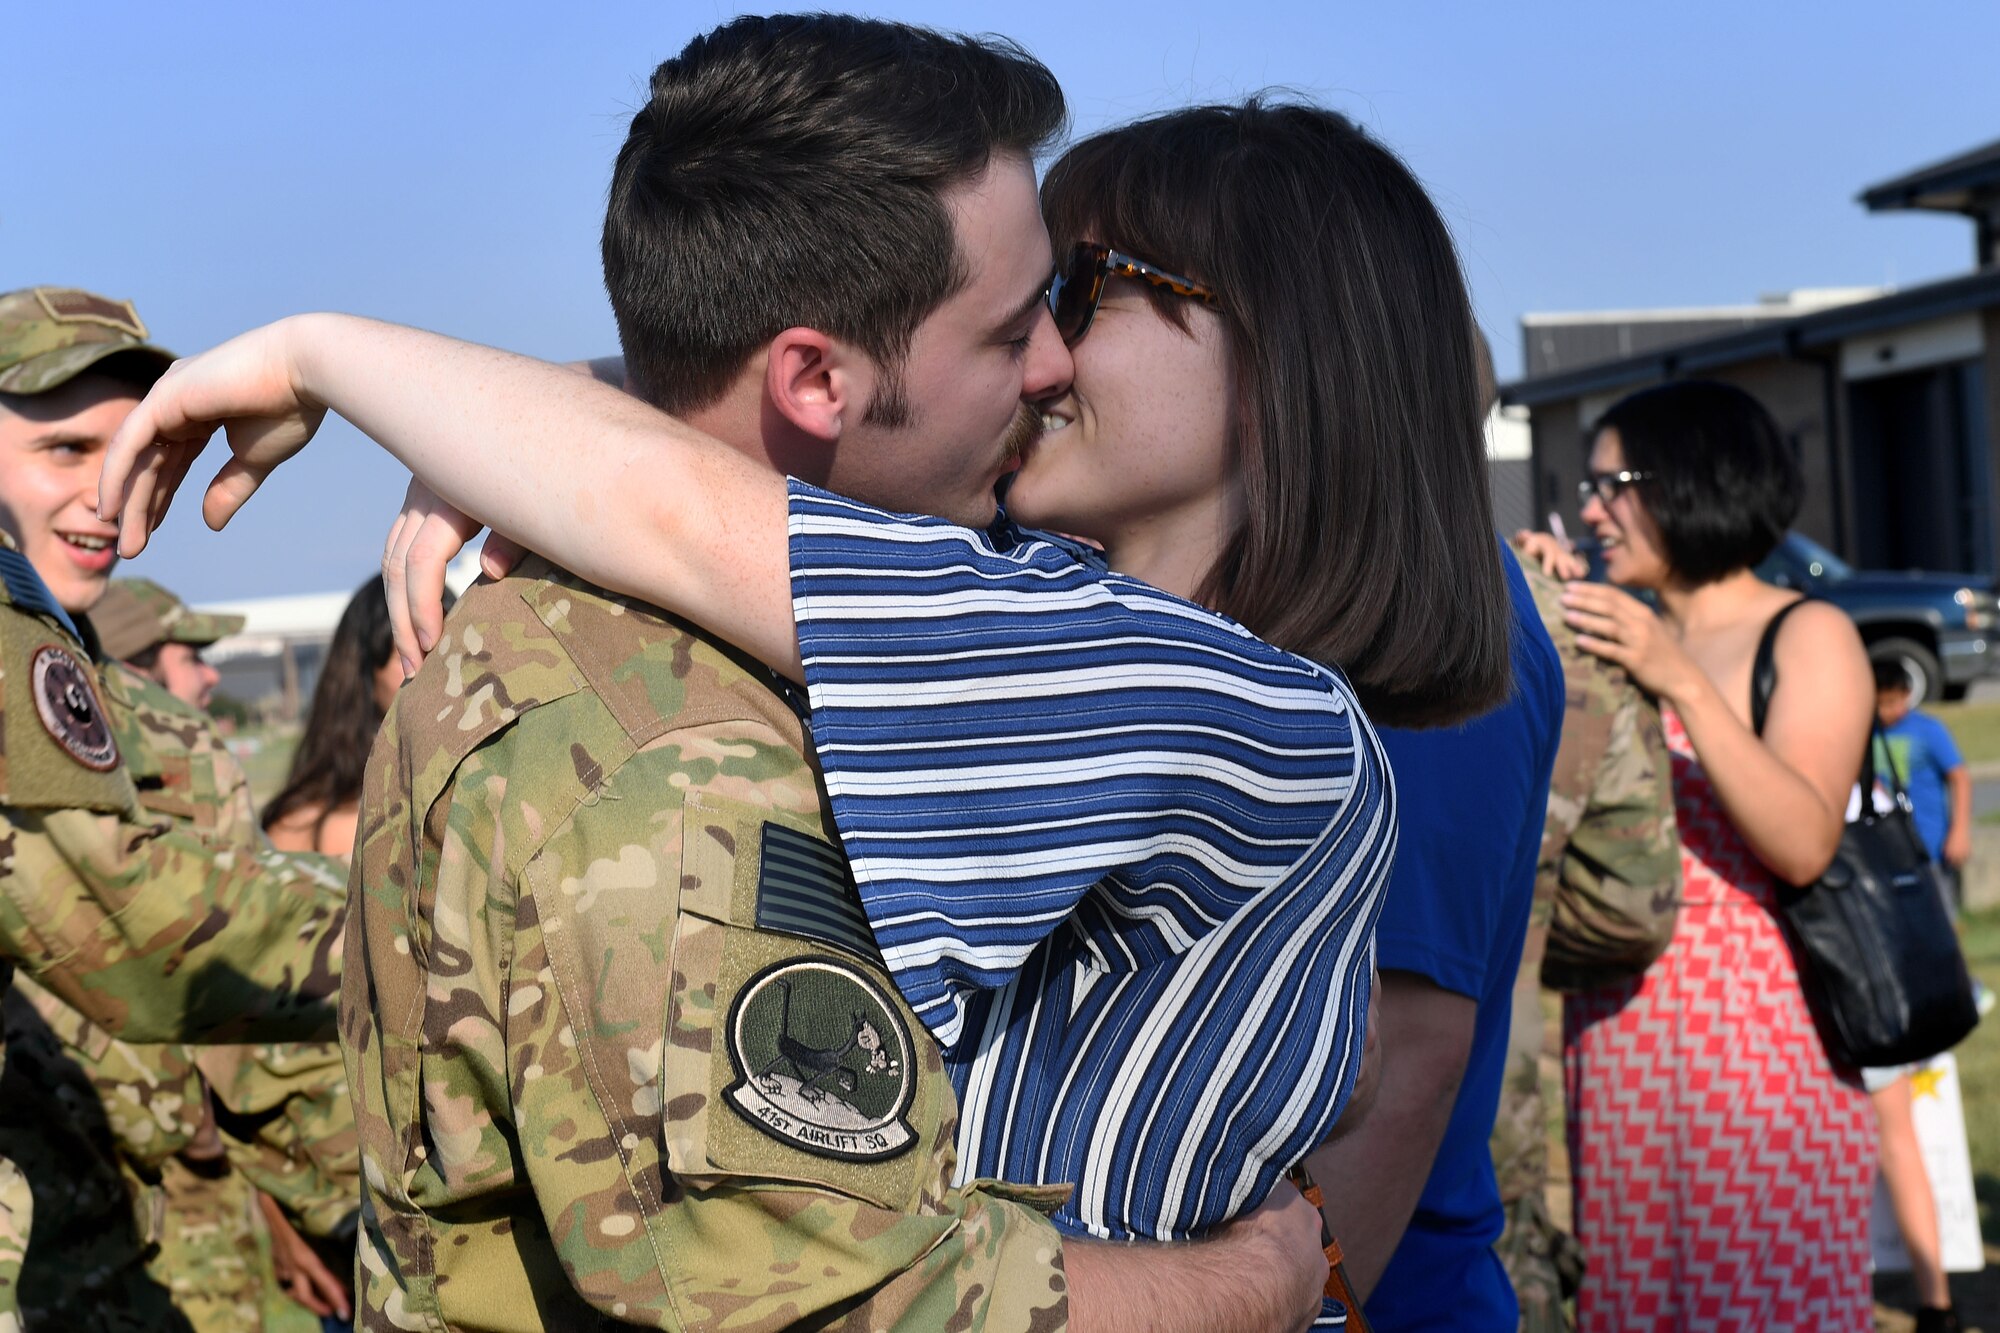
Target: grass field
266, 755
1977, 1294
1979, 1074
1976, 728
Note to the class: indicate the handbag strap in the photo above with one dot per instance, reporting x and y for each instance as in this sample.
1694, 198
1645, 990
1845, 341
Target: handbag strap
1764, 671
1764, 681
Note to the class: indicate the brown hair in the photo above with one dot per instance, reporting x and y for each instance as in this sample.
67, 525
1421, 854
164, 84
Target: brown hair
332, 756
1367, 540
787, 171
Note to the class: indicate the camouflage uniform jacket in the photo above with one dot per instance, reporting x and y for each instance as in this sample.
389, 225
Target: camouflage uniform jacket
152, 932
1607, 890
291, 1122
596, 869
152, 1095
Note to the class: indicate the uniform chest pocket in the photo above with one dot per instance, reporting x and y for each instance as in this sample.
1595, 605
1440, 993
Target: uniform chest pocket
790, 1055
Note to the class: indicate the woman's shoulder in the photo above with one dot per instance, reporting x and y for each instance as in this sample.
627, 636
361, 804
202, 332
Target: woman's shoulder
1820, 651
293, 830
1814, 625
314, 826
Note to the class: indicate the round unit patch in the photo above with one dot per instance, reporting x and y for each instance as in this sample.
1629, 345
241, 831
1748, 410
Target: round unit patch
822, 1060
70, 710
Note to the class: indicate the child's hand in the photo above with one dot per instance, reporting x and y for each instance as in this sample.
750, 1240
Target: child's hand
1958, 847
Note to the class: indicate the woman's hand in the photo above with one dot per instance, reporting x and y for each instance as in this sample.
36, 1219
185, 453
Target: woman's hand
427, 536
1558, 559
1620, 628
249, 388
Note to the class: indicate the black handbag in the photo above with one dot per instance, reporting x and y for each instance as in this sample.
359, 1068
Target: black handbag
1878, 957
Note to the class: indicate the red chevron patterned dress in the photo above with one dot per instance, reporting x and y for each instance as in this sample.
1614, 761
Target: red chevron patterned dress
1723, 1169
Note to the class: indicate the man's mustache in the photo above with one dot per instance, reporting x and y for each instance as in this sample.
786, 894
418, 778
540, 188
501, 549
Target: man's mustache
1025, 429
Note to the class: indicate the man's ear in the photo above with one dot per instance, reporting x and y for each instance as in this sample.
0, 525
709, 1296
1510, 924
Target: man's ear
814, 382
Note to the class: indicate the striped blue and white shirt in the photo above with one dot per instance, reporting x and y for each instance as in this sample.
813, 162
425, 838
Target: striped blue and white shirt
1123, 857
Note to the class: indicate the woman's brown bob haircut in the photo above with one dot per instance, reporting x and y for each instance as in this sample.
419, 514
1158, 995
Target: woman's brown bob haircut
1367, 540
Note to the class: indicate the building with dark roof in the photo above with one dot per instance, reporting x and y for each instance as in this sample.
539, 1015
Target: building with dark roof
1892, 399
1967, 184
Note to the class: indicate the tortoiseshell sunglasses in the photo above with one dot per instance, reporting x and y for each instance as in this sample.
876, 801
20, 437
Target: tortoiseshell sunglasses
1079, 285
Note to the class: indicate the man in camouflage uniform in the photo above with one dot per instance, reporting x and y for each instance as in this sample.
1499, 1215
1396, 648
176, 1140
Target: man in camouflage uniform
622, 1044
148, 931
601, 793
159, 636
196, 1217
285, 1120
1606, 893
288, 1122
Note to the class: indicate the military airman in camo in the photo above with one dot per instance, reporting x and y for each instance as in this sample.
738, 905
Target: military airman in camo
137, 919
623, 1049
274, 1119
1607, 891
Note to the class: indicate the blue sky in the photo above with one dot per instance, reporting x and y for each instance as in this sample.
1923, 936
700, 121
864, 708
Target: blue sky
444, 164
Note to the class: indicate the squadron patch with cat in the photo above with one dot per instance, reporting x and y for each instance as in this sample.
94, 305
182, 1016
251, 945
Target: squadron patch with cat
70, 710
822, 1060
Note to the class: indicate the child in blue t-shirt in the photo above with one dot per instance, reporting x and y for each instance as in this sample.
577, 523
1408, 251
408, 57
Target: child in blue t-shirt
1931, 769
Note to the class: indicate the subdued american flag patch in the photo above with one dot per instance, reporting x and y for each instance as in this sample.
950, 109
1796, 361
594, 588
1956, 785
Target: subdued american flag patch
803, 888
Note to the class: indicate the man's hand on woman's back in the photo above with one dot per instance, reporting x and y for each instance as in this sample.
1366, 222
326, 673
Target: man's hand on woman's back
1263, 1273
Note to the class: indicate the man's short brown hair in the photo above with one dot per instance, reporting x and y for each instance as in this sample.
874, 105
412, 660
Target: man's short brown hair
787, 172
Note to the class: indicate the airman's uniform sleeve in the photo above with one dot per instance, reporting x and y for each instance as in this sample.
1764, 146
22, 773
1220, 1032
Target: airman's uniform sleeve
152, 1095
156, 933
1608, 884
291, 1128
285, 1106
806, 1117
1624, 854
809, 1124
161, 936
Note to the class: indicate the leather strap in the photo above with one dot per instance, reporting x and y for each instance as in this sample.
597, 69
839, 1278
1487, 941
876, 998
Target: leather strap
1764, 671
1337, 1285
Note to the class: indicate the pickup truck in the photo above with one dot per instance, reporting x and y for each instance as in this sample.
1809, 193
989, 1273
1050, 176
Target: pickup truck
1943, 628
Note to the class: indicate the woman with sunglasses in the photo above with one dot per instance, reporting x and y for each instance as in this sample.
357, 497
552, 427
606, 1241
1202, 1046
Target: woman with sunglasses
1722, 1164
1292, 439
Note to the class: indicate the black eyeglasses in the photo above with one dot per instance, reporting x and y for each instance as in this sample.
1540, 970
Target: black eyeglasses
1605, 486
1079, 285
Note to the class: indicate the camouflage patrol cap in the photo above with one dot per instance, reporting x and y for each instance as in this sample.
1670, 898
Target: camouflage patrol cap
50, 335
137, 614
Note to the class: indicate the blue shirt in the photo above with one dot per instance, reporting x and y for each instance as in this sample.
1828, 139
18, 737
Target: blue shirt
1123, 857
1472, 805
1924, 753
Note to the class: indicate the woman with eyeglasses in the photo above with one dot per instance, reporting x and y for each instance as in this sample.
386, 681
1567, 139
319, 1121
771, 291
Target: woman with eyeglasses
1723, 1165
1285, 429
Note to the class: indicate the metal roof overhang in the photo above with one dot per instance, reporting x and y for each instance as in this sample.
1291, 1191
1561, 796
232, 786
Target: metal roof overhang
1799, 336
1947, 186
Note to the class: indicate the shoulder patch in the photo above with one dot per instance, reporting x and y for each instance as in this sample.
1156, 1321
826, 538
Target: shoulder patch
70, 710
822, 1060
804, 888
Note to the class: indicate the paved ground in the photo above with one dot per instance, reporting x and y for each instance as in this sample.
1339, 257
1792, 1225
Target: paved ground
1985, 791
